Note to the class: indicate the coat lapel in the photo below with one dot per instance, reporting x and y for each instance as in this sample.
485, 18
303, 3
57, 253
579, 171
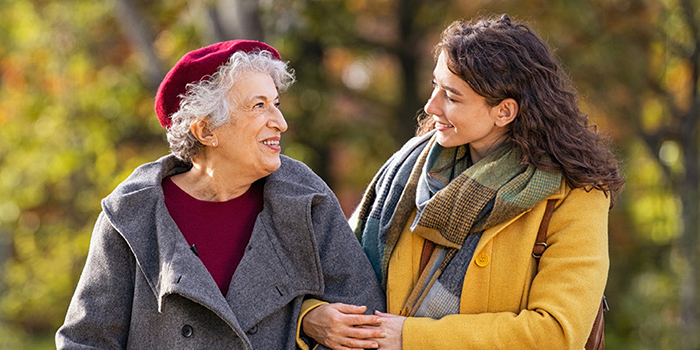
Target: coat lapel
137, 211
187, 277
259, 285
281, 259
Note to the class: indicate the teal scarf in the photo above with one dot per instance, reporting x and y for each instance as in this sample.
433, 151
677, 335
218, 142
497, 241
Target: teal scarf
455, 203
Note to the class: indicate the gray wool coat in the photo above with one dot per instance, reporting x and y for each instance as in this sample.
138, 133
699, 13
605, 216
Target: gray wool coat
143, 288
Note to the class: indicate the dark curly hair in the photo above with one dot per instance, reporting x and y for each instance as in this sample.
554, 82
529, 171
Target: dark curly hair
498, 60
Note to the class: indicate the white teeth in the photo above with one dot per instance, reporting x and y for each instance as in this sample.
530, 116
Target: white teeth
441, 125
271, 143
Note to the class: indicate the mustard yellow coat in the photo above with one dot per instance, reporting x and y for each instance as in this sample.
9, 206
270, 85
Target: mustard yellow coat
507, 301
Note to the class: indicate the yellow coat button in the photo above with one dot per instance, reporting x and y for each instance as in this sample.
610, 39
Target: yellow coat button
482, 259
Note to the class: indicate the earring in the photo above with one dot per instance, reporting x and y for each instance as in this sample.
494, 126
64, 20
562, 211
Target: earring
213, 143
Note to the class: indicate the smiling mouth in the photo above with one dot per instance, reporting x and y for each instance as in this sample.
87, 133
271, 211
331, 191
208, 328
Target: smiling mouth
271, 142
443, 126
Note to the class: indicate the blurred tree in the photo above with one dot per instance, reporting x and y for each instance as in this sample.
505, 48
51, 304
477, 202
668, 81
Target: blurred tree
75, 117
357, 73
77, 80
140, 39
636, 63
673, 79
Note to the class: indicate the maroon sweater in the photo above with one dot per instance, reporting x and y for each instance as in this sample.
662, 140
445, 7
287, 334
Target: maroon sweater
219, 231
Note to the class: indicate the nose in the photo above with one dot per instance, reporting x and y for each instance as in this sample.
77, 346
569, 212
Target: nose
431, 107
277, 121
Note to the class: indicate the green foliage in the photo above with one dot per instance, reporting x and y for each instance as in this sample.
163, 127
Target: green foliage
653, 208
76, 118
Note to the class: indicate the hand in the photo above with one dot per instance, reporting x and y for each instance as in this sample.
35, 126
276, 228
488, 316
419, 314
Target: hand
342, 327
393, 326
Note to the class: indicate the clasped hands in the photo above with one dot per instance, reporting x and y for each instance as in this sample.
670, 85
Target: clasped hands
346, 327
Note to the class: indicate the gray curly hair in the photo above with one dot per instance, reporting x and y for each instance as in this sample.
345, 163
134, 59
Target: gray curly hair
208, 98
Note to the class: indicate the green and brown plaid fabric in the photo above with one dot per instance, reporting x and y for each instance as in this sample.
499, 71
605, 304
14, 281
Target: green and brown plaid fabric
493, 190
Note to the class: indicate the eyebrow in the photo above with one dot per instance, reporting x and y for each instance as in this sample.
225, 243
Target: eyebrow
448, 88
261, 97
452, 90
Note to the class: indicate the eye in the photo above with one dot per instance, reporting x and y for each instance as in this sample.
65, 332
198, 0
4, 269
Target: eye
277, 104
259, 105
447, 96
434, 83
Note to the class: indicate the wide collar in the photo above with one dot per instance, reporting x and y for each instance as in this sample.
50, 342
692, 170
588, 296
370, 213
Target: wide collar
270, 274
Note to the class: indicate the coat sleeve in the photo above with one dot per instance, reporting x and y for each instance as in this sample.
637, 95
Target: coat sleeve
100, 310
347, 274
564, 295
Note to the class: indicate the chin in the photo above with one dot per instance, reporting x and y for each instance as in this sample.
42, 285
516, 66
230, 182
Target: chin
445, 142
452, 139
272, 165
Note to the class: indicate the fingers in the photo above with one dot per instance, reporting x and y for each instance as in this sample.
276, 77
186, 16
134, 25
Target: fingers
369, 332
349, 309
362, 320
352, 315
343, 326
383, 314
357, 344
352, 338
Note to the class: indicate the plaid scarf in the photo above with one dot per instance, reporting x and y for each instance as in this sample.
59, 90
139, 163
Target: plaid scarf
455, 203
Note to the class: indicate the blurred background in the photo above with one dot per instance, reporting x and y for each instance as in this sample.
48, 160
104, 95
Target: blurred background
78, 78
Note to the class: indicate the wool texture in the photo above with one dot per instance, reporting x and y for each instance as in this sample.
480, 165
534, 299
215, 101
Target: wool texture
459, 206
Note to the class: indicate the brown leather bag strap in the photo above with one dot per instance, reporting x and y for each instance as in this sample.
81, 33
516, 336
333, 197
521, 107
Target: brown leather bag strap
596, 340
541, 242
428, 247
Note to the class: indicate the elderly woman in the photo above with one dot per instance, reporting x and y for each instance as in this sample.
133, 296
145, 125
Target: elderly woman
217, 245
450, 222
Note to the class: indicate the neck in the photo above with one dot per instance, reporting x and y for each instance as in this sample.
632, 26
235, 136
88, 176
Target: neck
208, 182
475, 154
480, 152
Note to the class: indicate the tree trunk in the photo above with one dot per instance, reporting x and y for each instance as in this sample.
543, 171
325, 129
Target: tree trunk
141, 40
410, 102
689, 246
238, 19
690, 192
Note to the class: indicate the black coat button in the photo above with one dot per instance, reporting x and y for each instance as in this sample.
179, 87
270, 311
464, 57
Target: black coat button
187, 331
253, 330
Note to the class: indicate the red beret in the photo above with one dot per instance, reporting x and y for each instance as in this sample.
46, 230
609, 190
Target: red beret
192, 67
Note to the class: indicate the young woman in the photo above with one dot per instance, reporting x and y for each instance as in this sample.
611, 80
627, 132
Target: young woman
449, 222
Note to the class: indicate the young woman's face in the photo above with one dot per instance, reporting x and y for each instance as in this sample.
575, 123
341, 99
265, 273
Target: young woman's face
461, 115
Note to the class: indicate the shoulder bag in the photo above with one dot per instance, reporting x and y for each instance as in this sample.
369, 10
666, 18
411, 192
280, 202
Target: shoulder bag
596, 340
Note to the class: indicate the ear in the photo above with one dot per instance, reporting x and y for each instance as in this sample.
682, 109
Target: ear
201, 130
505, 112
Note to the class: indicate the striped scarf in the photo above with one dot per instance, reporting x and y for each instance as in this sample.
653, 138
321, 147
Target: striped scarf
454, 204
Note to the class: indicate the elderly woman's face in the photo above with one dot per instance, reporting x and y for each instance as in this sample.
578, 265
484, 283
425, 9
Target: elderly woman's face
250, 142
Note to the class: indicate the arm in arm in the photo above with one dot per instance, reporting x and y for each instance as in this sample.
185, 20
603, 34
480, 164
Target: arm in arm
351, 287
